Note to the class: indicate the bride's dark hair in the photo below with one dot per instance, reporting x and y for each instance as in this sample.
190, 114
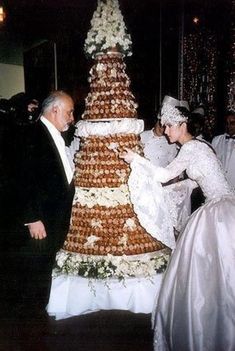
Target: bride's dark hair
194, 121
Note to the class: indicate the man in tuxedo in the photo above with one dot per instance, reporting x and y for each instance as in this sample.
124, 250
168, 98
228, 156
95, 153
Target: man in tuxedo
46, 191
224, 146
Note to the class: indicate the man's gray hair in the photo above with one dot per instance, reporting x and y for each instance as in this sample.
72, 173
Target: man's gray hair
52, 99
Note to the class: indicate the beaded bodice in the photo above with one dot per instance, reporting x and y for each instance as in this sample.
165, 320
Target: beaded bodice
201, 164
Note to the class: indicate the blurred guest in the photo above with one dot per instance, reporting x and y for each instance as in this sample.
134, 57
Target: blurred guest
198, 118
224, 145
201, 128
157, 147
198, 115
32, 110
24, 109
7, 166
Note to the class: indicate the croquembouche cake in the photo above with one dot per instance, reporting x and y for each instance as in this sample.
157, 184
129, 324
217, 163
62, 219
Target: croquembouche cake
105, 238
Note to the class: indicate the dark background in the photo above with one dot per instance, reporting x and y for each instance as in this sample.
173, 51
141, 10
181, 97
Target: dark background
154, 25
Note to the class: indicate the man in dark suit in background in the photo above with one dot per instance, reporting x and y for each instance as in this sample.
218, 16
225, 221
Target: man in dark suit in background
45, 197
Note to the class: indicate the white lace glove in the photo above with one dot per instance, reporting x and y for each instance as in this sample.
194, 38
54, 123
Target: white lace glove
128, 156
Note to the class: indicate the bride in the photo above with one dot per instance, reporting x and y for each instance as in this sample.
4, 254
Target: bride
196, 305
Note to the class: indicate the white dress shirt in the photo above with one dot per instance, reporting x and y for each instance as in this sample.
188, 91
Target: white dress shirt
72, 149
60, 144
157, 149
225, 150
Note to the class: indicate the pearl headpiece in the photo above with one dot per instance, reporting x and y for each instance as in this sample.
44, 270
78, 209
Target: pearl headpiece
170, 114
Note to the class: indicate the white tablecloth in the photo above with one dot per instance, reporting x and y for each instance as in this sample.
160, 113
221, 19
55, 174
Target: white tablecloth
71, 296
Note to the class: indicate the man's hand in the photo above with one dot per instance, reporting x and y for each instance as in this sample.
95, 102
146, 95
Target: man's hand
37, 230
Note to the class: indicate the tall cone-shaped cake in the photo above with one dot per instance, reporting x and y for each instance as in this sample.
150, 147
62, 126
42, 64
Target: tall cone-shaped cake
105, 237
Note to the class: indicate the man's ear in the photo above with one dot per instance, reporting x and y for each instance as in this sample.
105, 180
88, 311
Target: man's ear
54, 109
184, 126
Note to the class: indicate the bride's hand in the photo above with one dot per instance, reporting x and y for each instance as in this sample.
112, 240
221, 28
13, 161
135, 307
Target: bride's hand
127, 155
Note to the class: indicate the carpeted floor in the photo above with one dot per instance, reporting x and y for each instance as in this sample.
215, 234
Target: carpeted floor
99, 331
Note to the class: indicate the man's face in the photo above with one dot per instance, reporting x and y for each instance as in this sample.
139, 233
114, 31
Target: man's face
158, 128
230, 124
64, 114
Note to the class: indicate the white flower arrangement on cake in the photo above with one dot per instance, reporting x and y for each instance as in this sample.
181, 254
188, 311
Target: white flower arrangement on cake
108, 30
109, 197
120, 267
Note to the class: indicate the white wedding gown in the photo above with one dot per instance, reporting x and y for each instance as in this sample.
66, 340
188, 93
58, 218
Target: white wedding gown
195, 310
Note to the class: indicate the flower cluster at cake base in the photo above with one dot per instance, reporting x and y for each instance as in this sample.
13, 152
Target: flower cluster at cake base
104, 267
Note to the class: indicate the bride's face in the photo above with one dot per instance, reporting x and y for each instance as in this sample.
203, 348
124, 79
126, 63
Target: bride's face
174, 132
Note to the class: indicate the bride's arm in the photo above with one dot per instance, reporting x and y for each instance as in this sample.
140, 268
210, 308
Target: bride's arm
160, 174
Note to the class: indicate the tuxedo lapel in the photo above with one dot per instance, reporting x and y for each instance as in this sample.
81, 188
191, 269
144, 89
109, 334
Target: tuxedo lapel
43, 179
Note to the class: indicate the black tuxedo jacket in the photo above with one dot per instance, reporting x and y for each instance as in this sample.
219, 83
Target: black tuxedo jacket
44, 190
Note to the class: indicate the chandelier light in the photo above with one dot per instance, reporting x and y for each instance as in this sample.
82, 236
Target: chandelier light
2, 14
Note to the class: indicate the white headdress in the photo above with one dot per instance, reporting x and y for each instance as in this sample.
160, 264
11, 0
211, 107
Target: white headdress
199, 110
170, 114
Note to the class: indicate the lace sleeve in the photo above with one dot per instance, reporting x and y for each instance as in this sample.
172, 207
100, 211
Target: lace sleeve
163, 175
178, 199
147, 197
153, 206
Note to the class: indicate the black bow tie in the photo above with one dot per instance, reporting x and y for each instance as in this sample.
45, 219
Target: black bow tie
230, 137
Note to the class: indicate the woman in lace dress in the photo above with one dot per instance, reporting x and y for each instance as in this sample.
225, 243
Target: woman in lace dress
196, 305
